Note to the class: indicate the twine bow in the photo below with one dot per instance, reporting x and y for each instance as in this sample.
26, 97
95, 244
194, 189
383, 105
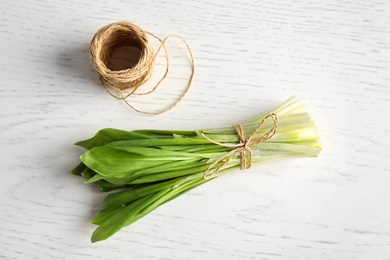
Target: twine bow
243, 147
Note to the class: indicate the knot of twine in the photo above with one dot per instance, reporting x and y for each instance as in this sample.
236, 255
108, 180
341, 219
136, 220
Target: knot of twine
241, 148
127, 81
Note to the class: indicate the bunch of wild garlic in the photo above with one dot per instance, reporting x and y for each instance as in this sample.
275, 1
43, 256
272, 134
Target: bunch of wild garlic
147, 168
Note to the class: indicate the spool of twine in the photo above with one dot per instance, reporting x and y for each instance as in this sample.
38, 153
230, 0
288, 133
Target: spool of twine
127, 81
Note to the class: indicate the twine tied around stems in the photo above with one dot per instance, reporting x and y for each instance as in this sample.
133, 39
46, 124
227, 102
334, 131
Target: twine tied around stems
127, 81
242, 148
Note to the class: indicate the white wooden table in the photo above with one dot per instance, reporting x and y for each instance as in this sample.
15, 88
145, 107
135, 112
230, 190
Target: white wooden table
250, 56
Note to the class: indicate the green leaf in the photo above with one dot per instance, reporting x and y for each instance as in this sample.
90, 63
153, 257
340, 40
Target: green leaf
109, 135
118, 199
124, 217
92, 177
160, 153
160, 142
79, 169
190, 169
165, 133
105, 214
112, 220
173, 193
113, 163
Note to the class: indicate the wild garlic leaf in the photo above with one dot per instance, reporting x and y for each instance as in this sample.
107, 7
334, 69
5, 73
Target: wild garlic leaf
114, 163
109, 135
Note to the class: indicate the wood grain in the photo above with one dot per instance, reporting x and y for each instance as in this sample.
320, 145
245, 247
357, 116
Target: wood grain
249, 57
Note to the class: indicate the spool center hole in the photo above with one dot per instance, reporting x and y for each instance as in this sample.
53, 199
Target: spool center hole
123, 57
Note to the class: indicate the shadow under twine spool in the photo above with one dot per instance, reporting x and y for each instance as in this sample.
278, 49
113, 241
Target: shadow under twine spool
126, 77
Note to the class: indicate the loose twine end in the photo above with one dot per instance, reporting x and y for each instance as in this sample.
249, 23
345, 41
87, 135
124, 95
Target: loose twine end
242, 148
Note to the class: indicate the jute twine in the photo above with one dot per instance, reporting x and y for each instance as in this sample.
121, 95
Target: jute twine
126, 82
242, 148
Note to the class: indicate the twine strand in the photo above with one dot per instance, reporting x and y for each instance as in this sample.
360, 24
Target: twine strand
127, 82
242, 148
